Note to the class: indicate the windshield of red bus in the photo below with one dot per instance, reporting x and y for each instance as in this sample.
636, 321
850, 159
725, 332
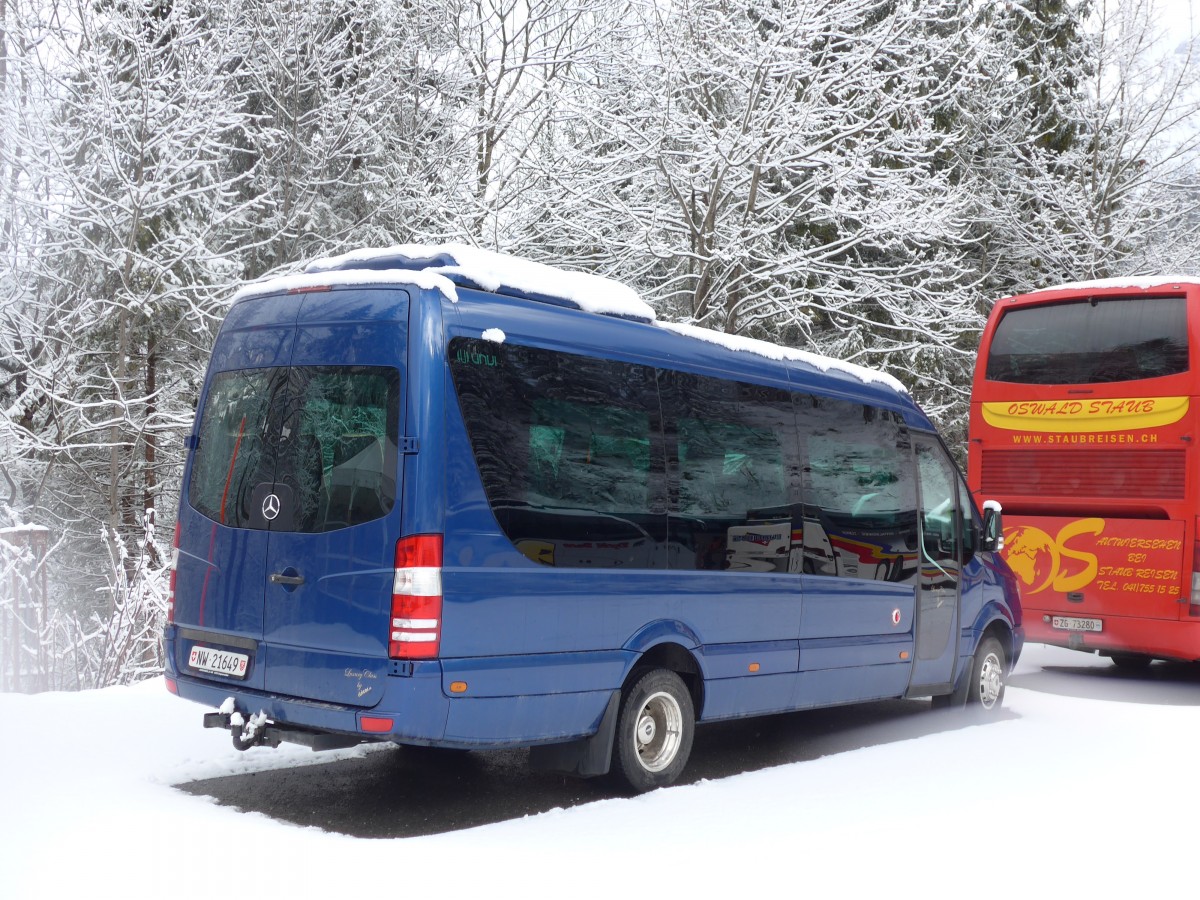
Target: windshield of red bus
1090, 341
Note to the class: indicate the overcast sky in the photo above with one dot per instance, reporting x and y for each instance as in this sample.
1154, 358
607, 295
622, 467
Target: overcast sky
1179, 15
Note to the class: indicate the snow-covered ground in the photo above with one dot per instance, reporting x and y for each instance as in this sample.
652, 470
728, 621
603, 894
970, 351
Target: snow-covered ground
1088, 787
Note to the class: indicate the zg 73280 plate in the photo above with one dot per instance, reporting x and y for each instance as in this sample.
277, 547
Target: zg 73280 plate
1072, 623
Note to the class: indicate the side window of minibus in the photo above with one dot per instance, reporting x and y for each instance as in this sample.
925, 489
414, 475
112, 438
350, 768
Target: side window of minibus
569, 449
732, 455
588, 454
860, 498
940, 497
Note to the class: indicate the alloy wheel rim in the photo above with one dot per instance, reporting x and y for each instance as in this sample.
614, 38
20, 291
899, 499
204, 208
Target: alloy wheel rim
659, 732
991, 680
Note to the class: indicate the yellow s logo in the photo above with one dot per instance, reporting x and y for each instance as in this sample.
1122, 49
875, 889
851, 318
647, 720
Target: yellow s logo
1038, 559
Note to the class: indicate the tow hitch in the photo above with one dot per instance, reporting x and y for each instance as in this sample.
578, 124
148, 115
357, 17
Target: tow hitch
246, 733
257, 729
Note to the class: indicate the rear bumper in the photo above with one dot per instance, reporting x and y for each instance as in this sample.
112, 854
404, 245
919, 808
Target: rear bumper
417, 707
421, 721
1160, 638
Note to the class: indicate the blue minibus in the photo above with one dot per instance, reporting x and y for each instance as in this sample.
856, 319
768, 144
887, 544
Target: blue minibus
443, 497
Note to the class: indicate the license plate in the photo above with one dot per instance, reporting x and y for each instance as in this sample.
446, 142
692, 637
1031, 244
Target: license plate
1071, 623
218, 662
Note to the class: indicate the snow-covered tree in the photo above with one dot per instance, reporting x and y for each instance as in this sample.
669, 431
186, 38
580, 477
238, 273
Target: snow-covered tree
115, 312
1082, 143
776, 169
333, 153
1143, 154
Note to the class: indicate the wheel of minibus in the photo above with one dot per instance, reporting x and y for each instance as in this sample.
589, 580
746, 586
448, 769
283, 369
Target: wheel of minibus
654, 731
985, 691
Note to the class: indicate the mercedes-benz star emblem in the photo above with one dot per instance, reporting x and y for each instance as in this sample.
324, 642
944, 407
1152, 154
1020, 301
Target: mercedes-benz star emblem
270, 507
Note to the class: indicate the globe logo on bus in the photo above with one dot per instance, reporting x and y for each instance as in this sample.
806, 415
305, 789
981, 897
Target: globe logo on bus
1032, 554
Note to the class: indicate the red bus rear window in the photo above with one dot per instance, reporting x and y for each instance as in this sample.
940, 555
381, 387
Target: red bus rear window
1091, 341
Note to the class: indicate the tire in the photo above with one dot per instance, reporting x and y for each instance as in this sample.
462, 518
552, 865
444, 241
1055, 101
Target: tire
985, 691
655, 728
1131, 662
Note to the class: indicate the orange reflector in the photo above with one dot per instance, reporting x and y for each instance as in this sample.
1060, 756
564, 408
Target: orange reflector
904, 654
458, 687
375, 724
754, 667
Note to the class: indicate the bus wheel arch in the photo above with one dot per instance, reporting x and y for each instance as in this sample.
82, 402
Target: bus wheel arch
1000, 630
675, 658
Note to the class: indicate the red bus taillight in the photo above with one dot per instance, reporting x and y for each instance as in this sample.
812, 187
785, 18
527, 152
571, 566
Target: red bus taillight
417, 598
171, 581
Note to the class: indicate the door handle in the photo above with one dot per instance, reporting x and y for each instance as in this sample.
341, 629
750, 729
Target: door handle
280, 578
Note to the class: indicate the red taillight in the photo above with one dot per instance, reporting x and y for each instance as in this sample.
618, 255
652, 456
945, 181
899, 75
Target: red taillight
172, 686
375, 724
171, 581
417, 598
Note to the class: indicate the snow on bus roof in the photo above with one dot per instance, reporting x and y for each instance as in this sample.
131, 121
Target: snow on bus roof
775, 351
498, 271
441, 266
281, 284
1140, 282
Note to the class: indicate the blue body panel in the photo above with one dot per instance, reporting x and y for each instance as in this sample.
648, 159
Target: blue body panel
539, 649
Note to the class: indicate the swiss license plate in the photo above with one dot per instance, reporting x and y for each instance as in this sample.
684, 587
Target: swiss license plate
218, 662
1072, 623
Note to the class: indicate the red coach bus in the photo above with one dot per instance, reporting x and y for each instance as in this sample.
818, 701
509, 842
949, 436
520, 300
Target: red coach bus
1085, 419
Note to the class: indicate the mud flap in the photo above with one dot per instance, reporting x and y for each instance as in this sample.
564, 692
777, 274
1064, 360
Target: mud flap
586, 757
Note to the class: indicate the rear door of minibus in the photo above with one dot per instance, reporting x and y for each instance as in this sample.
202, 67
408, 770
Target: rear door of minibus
287, 542
329, 570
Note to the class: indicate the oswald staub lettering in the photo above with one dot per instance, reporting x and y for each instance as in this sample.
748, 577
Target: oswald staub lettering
1081, 408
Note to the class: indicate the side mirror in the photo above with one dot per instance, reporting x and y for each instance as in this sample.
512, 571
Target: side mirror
993, 527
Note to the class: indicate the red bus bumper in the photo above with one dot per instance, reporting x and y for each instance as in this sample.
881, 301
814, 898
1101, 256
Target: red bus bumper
1160, 638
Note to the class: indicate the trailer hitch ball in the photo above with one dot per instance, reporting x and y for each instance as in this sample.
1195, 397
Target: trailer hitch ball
250, 732
246, 733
